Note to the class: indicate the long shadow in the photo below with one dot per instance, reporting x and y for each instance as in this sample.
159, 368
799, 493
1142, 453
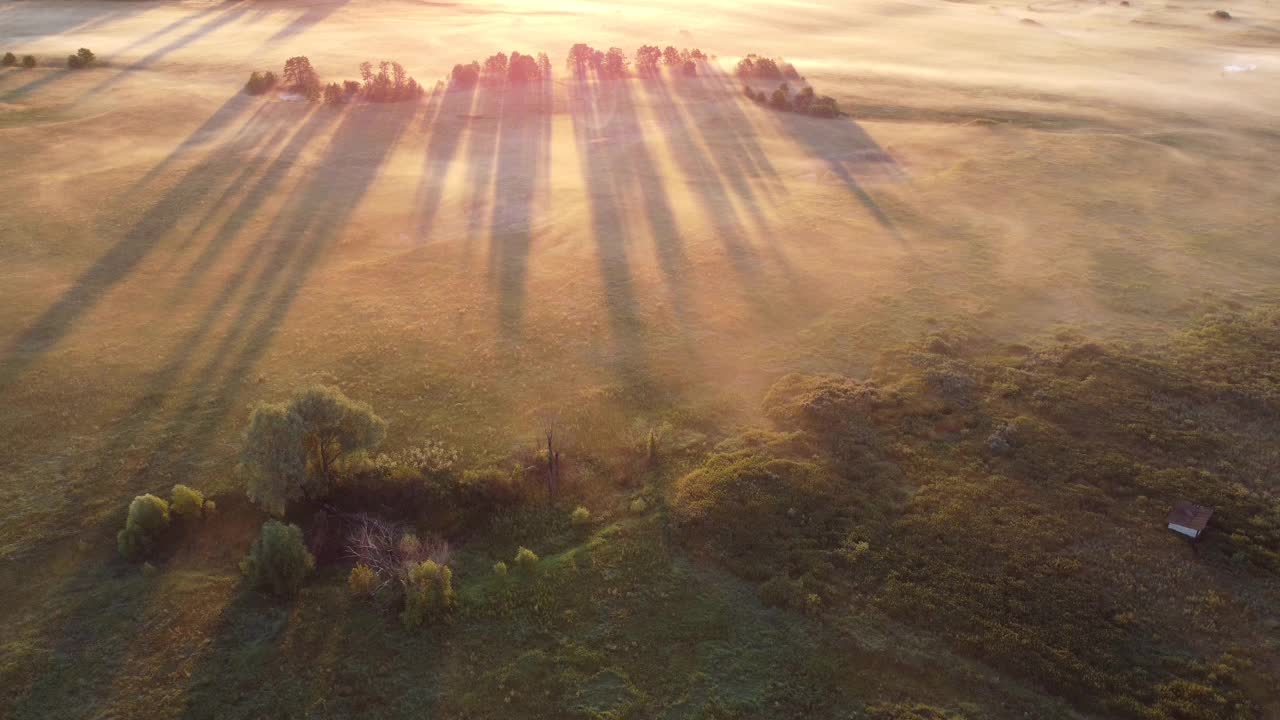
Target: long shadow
235, 105
54, 77
833, 142
253, 197
482, 146
118, 262
526, 117
735, 149
597, 128
312, 16
225, 16
296, 241
442, 148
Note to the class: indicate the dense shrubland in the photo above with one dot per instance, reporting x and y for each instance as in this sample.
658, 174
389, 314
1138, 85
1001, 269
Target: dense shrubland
1005, 502
1012, 499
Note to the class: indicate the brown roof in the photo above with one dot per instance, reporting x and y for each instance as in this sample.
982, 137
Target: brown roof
1190, 515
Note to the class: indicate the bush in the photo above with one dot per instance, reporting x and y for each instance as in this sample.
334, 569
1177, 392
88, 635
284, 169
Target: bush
9, 60
291, 451
148, 517
187, 502
580, 517
500, 569
824, 107
428, 593
210, 507
639, 506
362, 581
279, 560
526, 560
28, 61
333, 94
260, 83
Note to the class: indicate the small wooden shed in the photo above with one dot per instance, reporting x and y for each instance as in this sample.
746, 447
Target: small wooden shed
1189, 519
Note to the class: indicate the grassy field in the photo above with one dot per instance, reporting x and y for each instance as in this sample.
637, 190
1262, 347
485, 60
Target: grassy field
654, 253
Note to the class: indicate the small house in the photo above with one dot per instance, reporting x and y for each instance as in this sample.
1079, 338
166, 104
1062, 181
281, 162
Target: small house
1189, 519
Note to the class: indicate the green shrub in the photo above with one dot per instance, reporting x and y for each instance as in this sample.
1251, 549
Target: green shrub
187, 502
580, 518
148, 517
279, 560
638, 506
500, 569
526, 560
428, 593
362, 580
28, 61
210, 507
9, 60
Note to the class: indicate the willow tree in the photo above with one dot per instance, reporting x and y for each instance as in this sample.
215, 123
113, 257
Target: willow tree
291, 450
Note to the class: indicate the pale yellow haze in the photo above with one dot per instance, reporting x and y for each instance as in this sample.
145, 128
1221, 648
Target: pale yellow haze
173, 250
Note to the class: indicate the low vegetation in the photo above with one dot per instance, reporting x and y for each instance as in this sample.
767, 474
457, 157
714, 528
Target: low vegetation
28, 61
9, 60
279, 560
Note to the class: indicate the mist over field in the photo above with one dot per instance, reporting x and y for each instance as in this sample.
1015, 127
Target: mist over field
876, 416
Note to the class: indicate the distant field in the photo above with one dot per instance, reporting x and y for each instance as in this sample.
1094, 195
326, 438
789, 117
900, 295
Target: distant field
173, 251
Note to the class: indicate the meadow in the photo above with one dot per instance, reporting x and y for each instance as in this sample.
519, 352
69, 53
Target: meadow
876, 416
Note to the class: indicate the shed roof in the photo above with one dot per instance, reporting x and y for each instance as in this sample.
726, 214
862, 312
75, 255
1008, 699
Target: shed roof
1190, 515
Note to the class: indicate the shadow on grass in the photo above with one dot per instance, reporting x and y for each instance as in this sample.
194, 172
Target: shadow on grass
446, 135
122, 259
522, 130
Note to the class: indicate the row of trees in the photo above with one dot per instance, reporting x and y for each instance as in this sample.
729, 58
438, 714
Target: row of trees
804, 101
614, 63
501, 68
763, 68
387, 83
83, 58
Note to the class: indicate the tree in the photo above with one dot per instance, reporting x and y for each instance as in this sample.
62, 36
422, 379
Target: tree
9, 60
522, 68
671, 56
74, 62
86, 57
648, 57
779, 100
465, 76
824, 107
290, 450
28, 61
299, 75
581, 60
278, 560
544, 66
616, 65
689, 69
495, 68
333, 94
